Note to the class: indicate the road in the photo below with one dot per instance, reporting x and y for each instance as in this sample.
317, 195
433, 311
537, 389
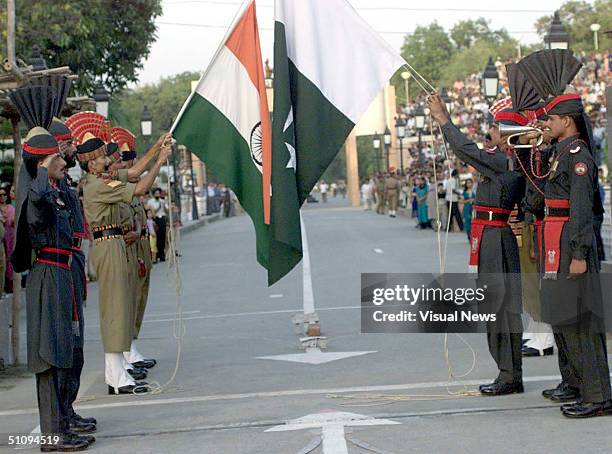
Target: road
224, 399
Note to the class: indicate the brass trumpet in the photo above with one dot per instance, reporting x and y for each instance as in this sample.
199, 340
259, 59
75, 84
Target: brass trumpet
514, 132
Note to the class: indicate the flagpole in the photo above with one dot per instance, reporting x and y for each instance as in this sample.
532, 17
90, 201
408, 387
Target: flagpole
308, 294
229, 30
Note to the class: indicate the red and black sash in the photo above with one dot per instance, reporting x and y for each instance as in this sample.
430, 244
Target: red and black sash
484, 217
556, 214
61, 258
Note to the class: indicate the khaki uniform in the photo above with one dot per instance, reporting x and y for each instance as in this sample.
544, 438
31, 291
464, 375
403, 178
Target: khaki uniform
126, 216
392, 189
380, 196
102, 199
145, 264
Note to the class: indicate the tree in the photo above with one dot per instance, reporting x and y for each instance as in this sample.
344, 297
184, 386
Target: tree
577, 17
466, 33
106, 39
163, 99
428, 50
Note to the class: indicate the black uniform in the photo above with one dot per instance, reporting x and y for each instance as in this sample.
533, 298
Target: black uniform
45, 220
574, 307
499, 263
78, 267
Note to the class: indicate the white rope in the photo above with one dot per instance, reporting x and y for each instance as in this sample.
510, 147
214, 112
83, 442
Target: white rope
179, 329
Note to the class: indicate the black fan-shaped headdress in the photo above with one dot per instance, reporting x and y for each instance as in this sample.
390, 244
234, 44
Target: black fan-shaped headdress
524, 96
36, 105
61, 85
550, 71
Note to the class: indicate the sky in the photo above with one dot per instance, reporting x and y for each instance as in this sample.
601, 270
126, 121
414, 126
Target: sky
190, 31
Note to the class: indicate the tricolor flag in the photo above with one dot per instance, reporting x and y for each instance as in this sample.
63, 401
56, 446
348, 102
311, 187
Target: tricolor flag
226, 123
329, 65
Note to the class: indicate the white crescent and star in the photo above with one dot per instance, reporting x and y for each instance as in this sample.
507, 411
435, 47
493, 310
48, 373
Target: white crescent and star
292, 164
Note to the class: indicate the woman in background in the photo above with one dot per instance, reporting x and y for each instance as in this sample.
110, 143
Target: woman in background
8, 215
468, 198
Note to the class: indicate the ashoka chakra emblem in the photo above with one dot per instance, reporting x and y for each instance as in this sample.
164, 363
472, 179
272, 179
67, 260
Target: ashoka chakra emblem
257, 146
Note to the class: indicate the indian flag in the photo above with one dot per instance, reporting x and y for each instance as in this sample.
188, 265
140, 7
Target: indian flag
329, 65
226, 123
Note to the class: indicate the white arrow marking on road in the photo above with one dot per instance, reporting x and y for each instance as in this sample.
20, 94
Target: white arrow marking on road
378, 251
314, 356
332, 425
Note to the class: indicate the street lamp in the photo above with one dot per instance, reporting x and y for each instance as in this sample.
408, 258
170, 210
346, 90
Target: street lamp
36, 60
490, 80
102, 99
446, 100
387, 142
146, 122
419, 119
400, 131
595, 28
406, 76
376, 146
557, 37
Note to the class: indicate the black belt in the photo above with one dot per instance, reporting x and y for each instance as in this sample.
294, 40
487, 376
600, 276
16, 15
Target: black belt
490, 216
556, 212
54, 256
108, 231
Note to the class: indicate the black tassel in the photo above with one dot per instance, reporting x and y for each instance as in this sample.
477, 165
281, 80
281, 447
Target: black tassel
550, 71
61, 85
524, 96
36, 105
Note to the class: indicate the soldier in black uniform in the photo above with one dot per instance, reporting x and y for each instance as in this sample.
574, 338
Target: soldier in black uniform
494, 251
44, 230
62, 134
571, 289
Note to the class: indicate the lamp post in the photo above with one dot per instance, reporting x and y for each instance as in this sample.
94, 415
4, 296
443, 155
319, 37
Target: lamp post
490, 80
557, 37
419, 119
387, 143
36, 60
595, 28
146, 122
194, 203
406, 76
400, 132
376, 146
102, 99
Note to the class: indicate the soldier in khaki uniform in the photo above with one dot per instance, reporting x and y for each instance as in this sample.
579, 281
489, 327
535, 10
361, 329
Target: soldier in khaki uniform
380, 194
392, 190
102, 197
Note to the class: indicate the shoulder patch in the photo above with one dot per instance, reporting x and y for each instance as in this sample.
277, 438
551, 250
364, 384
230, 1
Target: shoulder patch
113, 183
575, 150
581, 168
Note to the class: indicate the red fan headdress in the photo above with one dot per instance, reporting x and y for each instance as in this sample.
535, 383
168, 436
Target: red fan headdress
122, 136
90, 122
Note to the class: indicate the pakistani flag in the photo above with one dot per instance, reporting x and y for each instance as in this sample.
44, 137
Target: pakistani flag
226, 123
329, 65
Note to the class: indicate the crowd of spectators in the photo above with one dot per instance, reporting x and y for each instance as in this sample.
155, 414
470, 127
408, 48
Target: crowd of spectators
449, 180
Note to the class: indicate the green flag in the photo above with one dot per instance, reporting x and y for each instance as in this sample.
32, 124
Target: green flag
328, 67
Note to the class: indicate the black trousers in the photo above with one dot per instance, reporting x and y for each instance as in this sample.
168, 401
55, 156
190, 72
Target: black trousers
504, 337
52, 400
583, 357
74, 379
161, 237
454, 213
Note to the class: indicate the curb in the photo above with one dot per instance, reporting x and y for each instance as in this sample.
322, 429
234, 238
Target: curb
199, 223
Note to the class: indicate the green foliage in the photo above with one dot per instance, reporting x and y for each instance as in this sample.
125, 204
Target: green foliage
96, 38
467, 33
577, 17
164, 100
429, 49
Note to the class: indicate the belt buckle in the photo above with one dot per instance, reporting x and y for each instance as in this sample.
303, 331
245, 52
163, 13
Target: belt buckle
490, 215
546, 211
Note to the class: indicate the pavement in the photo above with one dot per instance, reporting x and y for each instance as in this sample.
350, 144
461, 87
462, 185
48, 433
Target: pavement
225, 399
